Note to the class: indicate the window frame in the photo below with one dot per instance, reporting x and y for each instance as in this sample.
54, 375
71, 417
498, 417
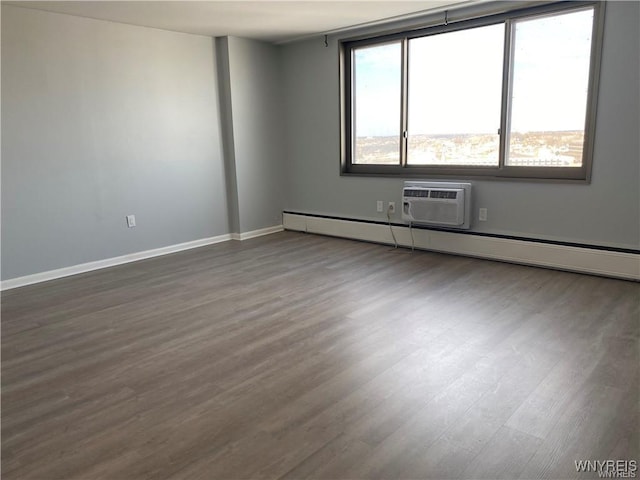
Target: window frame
509, 18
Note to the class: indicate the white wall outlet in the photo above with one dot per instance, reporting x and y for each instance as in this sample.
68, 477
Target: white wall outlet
131, 221
380, 205
482, 214
392, 207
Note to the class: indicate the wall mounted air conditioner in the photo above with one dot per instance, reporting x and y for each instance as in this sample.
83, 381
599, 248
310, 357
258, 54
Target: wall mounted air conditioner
442, 204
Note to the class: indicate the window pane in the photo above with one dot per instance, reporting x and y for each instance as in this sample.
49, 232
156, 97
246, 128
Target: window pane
549, 97
455, 88
376, 104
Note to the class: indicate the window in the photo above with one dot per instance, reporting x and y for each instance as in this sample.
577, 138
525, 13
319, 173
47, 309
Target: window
507, 95
376, 104
454, 118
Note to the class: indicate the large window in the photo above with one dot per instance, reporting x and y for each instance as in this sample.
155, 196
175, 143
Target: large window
506, 95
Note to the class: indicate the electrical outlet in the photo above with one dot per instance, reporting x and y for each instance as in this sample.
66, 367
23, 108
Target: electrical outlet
482, 214
131, 221
392, 207
379, 205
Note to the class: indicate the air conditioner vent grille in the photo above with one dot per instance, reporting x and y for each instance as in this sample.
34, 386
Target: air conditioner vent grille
416, 193
444, 194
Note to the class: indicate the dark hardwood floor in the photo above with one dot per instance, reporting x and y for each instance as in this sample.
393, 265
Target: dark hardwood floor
300, 356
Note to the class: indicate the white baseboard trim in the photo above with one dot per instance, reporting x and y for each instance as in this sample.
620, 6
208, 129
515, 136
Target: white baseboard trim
132, 257
562, 257
257, 233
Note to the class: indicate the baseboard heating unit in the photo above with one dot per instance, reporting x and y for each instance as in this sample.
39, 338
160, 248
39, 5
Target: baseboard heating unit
608, 262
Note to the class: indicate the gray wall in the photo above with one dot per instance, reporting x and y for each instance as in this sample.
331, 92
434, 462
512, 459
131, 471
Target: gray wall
257, 121
226, 128
606, 212
101, 120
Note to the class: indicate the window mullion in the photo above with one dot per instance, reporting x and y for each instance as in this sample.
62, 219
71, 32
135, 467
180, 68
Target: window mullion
507, 88
404, 103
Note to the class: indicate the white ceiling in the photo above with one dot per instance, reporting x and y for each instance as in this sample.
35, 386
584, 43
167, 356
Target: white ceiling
272, 21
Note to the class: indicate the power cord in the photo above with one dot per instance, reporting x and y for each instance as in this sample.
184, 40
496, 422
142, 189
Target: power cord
411, 232
395, 242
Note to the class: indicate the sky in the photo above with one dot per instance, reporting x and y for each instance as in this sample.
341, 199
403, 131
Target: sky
450, 72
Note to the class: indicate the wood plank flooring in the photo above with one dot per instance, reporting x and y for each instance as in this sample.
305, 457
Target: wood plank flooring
300, 356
